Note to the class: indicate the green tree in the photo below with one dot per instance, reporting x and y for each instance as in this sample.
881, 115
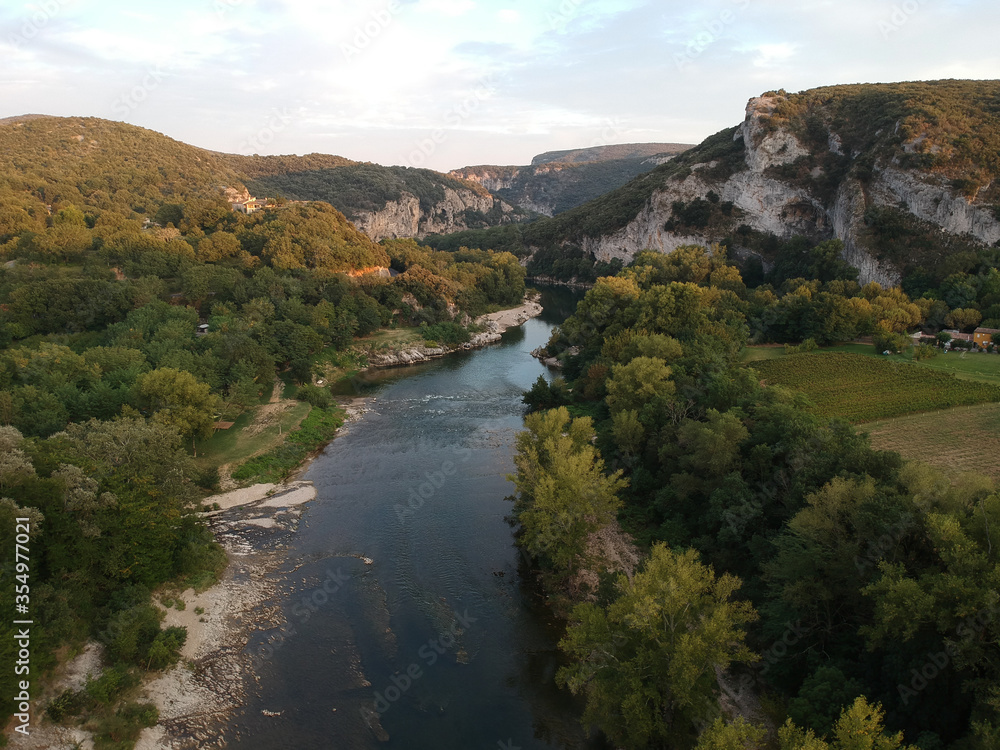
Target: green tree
860, 727
647, 662
738, 735
644, 380
563, 495
178, 399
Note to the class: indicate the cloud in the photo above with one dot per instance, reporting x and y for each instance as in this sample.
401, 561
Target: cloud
449, 8
772, 55
369, 78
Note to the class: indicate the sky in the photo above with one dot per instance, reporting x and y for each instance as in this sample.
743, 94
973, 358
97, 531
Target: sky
449, 83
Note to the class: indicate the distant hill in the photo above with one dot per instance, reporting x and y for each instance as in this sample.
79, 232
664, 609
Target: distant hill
94, 163
103, 165
385, 202
905, 174
609, 153
560, 180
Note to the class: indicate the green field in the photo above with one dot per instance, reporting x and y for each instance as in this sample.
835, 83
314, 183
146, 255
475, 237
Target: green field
966, 365
962, 439
863, 388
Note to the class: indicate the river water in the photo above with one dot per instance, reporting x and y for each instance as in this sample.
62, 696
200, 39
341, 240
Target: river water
408, 622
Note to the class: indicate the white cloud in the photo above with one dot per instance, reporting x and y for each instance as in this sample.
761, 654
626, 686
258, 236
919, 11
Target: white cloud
369, 78
450, 8
772, 55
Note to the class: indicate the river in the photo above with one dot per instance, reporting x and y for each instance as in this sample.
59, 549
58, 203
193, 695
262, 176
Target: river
408, 622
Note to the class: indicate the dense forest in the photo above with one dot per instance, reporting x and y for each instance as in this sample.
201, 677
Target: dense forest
136, 312
799, 590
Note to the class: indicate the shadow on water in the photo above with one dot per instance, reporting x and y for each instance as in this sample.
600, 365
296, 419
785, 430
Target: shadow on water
407, 620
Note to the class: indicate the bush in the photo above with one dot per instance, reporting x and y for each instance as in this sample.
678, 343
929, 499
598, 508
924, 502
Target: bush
809, 345
923, 351
449, 333
166, 648
315, 396
208, 479
120, 730
130, 633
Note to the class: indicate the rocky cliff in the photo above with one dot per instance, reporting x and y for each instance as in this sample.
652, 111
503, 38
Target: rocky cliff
773, 194
550, 187
906, 175
384, 202
458, 210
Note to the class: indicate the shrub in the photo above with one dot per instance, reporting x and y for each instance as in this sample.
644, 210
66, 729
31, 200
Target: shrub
449, 333
315, 396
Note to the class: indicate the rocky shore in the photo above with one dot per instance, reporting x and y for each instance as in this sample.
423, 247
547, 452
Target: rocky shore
494, 325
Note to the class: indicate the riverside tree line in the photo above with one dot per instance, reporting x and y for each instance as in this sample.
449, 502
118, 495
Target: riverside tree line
759, 520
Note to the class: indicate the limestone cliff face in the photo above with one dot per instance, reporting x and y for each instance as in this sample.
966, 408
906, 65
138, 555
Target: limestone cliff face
493, 179
769, 202
551, 187
407, 218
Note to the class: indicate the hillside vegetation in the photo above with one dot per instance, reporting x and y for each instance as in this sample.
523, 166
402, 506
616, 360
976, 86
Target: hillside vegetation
552, 188
137, 312
98, 165
613, 152
793, 587
350, 187
904, 174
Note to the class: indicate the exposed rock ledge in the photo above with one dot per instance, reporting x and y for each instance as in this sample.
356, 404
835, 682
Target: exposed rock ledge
494, 324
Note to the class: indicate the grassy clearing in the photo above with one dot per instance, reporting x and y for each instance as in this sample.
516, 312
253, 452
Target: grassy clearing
979, 366
963, 439
258, 430
391, 338
862, 389
277, 464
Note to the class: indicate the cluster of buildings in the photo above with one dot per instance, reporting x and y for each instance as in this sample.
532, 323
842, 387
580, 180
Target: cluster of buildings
981, 337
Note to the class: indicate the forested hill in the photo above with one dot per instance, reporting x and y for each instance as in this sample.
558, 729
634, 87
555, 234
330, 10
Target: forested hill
384, 202
98, 165
904, 174
613, 152
558, 181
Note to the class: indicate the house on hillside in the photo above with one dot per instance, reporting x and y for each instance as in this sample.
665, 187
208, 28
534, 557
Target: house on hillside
250, 206
984, 336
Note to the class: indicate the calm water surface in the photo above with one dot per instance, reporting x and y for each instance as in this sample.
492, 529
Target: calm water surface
406, 612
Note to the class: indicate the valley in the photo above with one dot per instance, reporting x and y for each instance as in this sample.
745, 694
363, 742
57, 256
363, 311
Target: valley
729, 487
